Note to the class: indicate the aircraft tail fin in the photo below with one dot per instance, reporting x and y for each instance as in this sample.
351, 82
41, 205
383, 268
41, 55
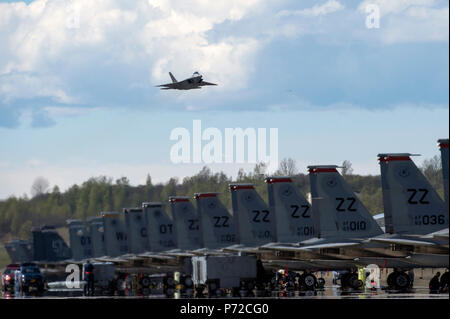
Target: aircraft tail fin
11, 251
187, 226
293, 212
19, 251
136, 230
160, 229
26, 250
443, 145
339, 205
173, 78
97, 234
411, 205
48, 245
216, 223
80, 240
254, 221
116, 242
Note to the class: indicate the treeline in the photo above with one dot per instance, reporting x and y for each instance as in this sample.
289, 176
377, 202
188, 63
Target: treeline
19, 214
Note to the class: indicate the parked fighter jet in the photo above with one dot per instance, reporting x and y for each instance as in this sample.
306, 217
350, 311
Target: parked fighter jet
48, 245
255, 222
259, 230
342, 223
97, 234
443, 145
194, 82
80, 240
203, 231
216, 223
19, 251
412, 206
153, 234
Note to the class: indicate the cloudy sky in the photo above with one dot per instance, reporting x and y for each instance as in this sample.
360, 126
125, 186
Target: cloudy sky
77, 77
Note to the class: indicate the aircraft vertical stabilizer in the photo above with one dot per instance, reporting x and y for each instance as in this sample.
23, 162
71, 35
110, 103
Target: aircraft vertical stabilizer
26, 250
293, 213
253, 219
48, 245
97, 234
216, 223
187, 226
173, 78
11, 251
411, 205
19, 251
339, 204
136, 230
160, 228
443, 145
115, 234
80, 240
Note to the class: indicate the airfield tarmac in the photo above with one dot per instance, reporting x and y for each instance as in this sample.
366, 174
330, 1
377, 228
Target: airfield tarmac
330, 292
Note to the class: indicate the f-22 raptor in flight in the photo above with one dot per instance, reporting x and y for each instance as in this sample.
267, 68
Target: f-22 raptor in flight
194, 82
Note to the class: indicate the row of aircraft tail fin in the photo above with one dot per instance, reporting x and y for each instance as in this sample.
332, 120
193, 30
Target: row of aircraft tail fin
335, 218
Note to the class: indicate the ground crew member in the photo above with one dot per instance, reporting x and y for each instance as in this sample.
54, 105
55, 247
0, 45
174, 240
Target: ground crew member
335, 277
411, 276
444, 281
89, 277
434, 283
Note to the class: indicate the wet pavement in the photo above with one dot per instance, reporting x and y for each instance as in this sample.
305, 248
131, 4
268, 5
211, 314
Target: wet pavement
329, 292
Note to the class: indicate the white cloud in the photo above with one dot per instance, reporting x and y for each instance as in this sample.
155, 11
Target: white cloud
395, 7
409, 21
27, 86
329, 7
84, 52
400, 21
47, 44
228, 62
418, 24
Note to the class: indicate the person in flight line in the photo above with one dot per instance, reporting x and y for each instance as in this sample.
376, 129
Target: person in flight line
89, 277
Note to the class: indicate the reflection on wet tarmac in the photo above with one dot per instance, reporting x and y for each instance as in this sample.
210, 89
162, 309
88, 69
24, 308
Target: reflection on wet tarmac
330, 292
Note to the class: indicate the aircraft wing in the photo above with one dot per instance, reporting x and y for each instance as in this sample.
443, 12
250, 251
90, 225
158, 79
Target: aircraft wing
178, 253
207, 251
281, 247
166, 86
289, 263
430, 260
243, 248
181, 254
115, 260
294, 248
440, 235
206, 83
414, 260
392, 262
402, 241
312, 264
156, 256
325, 264
329, 245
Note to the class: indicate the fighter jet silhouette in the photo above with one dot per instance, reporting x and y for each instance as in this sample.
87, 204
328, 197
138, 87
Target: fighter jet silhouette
194, 82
